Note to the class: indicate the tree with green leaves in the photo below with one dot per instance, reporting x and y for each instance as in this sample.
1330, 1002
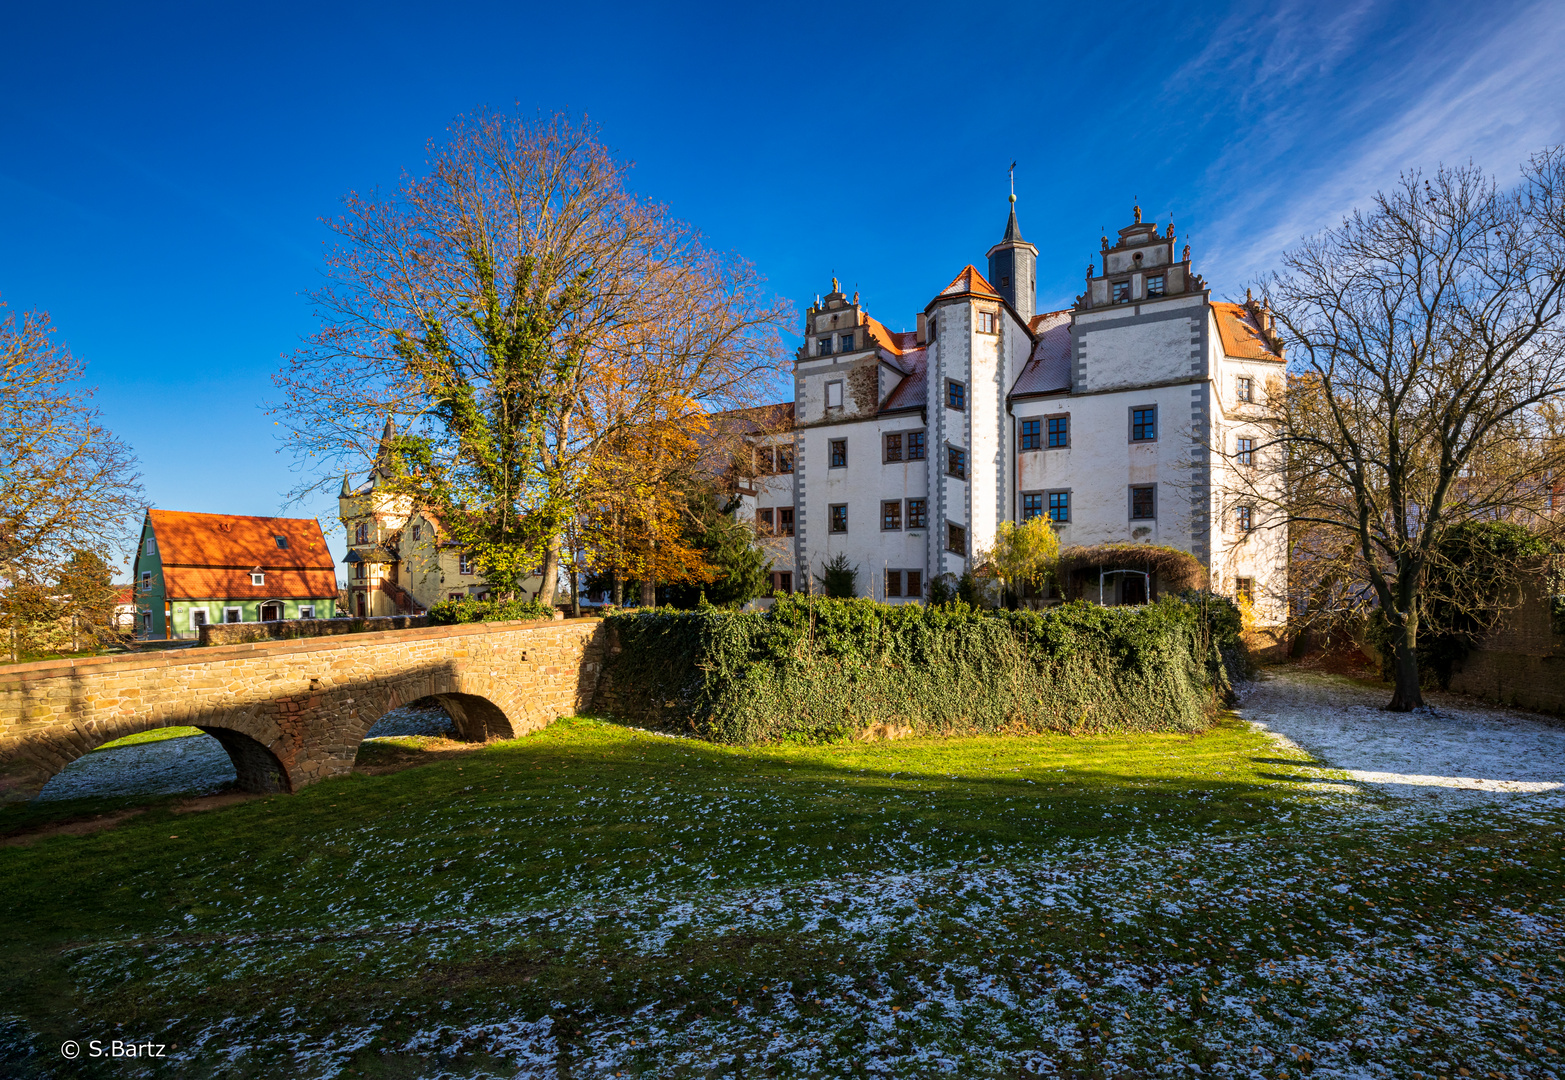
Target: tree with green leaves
839, 578
1021, 556
518, 312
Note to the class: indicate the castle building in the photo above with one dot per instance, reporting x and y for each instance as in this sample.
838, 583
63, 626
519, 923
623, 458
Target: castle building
1131, 417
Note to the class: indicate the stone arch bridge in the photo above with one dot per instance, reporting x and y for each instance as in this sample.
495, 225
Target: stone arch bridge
290, 713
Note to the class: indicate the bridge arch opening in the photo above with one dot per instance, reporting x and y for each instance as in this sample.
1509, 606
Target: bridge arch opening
158, 761
464, 717
256, 768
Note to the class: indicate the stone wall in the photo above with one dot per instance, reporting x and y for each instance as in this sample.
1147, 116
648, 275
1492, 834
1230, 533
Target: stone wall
1521, 662
293, 712
291, 629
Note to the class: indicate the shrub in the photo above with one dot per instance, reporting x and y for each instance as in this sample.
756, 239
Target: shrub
816, 670
468, 610
841, 580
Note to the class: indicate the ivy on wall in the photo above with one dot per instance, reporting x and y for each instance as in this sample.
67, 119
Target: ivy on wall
817, 670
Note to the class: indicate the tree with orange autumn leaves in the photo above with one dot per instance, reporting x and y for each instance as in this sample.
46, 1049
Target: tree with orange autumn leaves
551, 345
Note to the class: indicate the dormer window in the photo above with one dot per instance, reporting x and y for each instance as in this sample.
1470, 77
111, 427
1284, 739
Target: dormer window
823, 346
257, 577
1122, 292
1155, 285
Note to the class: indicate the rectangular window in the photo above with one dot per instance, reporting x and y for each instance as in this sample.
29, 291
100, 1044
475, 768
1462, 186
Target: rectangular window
282, 542
1154, 286
233, 614
1245, 452
847, 343
1059, 431
986, 322
893, 583
306, 611
1143, 503
834, 395
763, 521
1143, 424
956, 463
146, 581
915, 583
1031, 434
823, 346
1060, 506
1122, 292
766, 460
1032, 505
956, 395
1244, 590
1245, 388
1245, 520
418, 532
464, 563
358, 571
785, 459
784, 580
151, 546
894, 447
198, 618
918, 513
258, 579
956, 538
839, 453
915, 446
361, 533
839, 517
891, 515
932, 328
785, 521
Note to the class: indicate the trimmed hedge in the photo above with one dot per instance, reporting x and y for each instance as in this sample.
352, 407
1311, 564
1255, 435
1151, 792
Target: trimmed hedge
452, 612
815, 670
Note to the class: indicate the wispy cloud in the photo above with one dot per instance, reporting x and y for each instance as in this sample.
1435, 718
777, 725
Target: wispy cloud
1491, 92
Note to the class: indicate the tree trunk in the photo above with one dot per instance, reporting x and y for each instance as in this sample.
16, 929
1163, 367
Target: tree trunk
551, 572
1404, 669
619, 590
575, 595
649, 594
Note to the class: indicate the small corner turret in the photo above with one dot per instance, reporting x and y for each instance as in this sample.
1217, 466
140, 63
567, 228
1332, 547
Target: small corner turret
1139, 267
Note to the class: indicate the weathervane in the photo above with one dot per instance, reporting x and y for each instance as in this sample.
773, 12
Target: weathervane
1013, 181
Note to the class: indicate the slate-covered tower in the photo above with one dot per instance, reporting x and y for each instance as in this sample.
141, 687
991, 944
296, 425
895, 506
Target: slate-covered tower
1013, 268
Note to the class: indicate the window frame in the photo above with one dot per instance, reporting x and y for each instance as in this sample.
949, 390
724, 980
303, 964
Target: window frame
823, 345
1115, 294
146, 581
886, 590
782, 581
238, 613
913, 585
1244, 590
281, 541
952, 529
1134, 409
1030, 440
1244, 519
1160, 290
1132, 489
987, 323
784, 454
190, 617
887, 456
464, 564
922, 443
956, 390
1244, 450
833, 518
1063, 494
891, 512
764, 525
922, 516
1032, 505
847, 342
765, 460
150, 546
834, 384
258, 579
959, 456
306, 611
832, 446
1244, 389
1048, 441
361, 532
781, 510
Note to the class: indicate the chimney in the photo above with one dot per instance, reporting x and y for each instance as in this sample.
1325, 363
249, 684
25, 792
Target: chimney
923, 328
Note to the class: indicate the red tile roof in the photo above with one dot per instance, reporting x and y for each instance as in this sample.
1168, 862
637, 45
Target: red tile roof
912, 392
1241, 334
209, 556
1048, 370
969, 281
896, 343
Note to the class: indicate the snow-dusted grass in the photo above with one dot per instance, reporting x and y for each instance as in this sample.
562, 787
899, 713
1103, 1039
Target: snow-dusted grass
592, 901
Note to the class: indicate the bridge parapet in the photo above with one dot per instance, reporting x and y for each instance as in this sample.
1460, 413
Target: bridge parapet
294, 712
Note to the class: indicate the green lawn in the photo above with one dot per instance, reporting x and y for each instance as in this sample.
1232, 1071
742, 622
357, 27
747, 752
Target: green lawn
596, 901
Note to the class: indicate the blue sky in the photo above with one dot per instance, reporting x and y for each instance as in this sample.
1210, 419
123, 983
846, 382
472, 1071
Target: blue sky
163, 172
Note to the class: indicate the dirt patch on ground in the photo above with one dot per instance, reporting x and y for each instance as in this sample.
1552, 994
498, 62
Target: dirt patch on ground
73, 827
380, 756
215, 802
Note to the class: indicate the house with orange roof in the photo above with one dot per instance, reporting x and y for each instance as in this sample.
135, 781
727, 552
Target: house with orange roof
192, 569
1136, 415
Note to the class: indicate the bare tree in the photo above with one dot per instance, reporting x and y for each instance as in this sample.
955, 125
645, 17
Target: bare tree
1428, 348
68, 487
519, 310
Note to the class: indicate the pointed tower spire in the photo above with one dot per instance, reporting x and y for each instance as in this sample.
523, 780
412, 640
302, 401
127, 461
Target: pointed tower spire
1013, 263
